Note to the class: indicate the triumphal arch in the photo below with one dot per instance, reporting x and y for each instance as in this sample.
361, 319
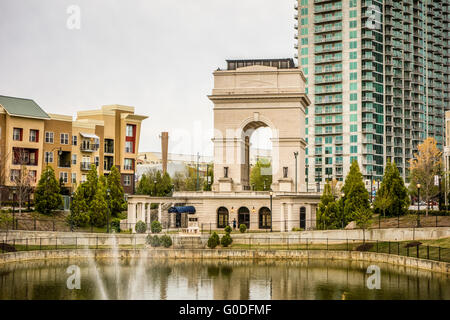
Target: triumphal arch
253, 96
248, 95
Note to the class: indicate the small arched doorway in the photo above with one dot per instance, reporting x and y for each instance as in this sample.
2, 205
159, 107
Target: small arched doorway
303, 218
244, 217
265, 220
222, 217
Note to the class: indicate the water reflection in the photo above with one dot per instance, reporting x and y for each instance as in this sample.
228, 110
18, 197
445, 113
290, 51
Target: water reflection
240, 280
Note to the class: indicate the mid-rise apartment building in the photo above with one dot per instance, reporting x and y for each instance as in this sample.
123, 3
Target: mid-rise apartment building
378, 78
32, 138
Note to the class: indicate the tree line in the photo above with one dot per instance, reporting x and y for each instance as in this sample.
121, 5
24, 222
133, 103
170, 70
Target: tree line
91, 201
337, 208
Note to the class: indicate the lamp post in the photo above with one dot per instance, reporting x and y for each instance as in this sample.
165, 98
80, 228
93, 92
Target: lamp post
418, 197
343, 208
271, 213
14, 208
70, 206
154, 182
418, 204
296, 175
108, 193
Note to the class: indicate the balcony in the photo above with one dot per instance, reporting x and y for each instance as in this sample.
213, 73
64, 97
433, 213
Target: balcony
64, 160
88, 146
108, 163
25, 156
109, 146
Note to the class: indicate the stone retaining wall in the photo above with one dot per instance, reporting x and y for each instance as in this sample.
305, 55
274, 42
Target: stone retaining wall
318, 236
434, 266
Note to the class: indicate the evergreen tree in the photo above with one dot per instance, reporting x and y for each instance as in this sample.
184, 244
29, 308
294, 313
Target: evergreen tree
98, 208
91, 183
328, 213
47, 194
154, 183
355, 194
392, 197
143, 186
117, 199
79, 210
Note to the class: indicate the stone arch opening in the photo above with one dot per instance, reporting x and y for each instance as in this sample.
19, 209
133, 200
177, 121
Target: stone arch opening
244, 217
265, 218
222, 217
257, 137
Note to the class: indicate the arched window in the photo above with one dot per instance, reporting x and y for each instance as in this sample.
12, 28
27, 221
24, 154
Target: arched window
303, 218
222, 217
244, 217
264, 218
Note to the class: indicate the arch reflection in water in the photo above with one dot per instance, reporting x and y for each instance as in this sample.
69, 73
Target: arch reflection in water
241, 280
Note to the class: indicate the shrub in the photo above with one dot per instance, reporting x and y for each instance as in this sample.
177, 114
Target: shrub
242, 228
154, 241
115, 224
166, 241
213, 240
297, 229
228, 229
141, 227
226, 240
156, 227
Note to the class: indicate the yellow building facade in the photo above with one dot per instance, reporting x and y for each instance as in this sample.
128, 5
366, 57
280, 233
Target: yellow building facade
30, 139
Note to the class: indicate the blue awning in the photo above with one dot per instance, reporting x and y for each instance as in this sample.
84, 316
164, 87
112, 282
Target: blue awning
188, 209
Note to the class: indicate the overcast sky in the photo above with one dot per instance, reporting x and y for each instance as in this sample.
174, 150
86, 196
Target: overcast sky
155, 55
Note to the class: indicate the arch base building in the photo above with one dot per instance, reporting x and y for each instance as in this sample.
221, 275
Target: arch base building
248, 95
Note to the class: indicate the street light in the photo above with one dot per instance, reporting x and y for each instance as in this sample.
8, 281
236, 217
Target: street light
296, 175
154, 182
70, 206
14, 209
418, 196
418, 204
108, 192
271, 213
343, 208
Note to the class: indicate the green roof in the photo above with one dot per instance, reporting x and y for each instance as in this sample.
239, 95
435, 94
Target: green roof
22, 108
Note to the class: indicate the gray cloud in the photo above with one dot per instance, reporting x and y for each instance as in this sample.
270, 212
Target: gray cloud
156, 55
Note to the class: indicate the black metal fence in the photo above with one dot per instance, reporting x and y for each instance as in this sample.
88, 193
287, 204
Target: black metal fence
413, 249
410, 221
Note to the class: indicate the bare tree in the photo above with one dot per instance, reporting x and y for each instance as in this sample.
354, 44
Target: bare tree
424, 167
22, 180
22, 185
3, 172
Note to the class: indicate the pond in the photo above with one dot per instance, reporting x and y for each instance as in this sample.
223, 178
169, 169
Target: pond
215, 279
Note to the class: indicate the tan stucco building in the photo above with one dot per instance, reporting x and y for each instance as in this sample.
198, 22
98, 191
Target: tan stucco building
32, 138
248, 95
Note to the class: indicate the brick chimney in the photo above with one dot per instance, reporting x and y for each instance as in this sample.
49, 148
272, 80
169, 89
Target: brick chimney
164, 150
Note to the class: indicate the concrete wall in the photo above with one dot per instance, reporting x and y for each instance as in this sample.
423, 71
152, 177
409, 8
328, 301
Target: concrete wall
434, 266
